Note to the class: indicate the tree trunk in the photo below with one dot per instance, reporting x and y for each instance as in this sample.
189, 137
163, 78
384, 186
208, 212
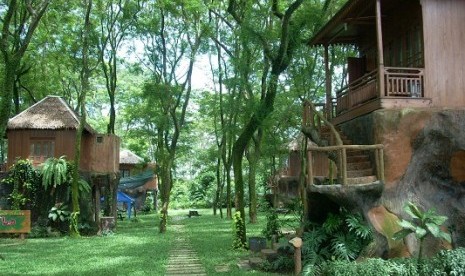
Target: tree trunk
165, 186
217, 200
228, 193
252, 190
7, 93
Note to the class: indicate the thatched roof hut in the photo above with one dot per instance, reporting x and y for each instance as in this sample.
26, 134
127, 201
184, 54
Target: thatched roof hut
51, 113
128, 157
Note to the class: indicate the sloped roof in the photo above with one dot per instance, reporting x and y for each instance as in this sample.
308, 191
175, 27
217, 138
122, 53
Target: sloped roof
129, 157
51, 113
135, 181
349, 24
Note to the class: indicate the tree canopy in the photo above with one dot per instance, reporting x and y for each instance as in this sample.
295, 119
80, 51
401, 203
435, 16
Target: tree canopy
132, 67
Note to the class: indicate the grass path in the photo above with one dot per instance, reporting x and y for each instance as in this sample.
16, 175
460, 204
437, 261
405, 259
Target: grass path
136, 248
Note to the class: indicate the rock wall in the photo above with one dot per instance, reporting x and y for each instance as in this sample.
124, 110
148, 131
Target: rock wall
424, 163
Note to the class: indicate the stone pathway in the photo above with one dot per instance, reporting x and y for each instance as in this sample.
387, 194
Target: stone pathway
183, 259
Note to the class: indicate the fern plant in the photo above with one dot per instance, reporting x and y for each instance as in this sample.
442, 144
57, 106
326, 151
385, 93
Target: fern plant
54, 172
341, 237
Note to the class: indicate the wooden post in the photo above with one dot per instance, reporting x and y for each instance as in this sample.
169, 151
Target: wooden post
378, 169
379, 36
297, 244
309, 168
329, 107
344, 166
381, 163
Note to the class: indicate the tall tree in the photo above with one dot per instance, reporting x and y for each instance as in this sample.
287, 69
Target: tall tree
172, 43
279, 57
116, 19
19, 21
84, 78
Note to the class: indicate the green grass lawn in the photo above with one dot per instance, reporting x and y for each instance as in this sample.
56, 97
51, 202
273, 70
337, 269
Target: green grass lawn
135, 249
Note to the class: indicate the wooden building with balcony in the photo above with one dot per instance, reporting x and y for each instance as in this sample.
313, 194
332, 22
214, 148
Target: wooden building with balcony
403, 108
410, 54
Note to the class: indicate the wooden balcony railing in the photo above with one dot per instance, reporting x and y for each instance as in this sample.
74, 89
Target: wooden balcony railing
358, 92
403, 82
399, 82
342, 159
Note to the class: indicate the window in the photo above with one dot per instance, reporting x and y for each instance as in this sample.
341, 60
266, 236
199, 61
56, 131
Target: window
406, 50
41, 150
125, 173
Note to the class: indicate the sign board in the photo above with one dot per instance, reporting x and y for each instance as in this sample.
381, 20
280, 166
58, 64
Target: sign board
15, 221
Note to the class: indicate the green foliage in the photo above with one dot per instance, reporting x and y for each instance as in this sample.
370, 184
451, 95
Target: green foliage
283, 263
450, 261
238, 228
55, 172
148, 203
272, 228
447, 262
25, 181
202, 190
422, 224
59, 213
341, 237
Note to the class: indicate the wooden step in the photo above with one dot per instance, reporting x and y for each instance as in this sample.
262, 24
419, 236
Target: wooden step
359, 173
361, 180
358, 158
355, 152
351, 166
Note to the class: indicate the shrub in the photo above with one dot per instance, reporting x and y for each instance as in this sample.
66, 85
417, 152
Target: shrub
239, 226
341, 237
273, 225
448, 262
25, 181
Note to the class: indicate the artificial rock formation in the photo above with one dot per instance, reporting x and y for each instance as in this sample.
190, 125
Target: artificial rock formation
424, 163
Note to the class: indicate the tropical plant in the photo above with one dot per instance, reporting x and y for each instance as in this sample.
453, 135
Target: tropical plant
55, 172
422, 224
341, 237
238, 226
273, 225
25, 181
59, 213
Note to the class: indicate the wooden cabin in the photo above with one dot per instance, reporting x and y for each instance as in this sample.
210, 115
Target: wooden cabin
128, 162
403, 108
48, 129
137, 178
410, 54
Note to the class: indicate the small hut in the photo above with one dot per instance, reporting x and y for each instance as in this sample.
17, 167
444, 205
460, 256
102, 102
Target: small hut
48, 129
137, 178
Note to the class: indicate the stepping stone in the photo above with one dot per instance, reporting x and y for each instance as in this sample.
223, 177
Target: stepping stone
222, 268
183, 259
256, 262
244, 265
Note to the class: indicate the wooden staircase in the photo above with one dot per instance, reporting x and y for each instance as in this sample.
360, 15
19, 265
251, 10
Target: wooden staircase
360, 168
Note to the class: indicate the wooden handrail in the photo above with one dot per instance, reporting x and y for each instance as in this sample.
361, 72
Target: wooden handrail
342, 151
